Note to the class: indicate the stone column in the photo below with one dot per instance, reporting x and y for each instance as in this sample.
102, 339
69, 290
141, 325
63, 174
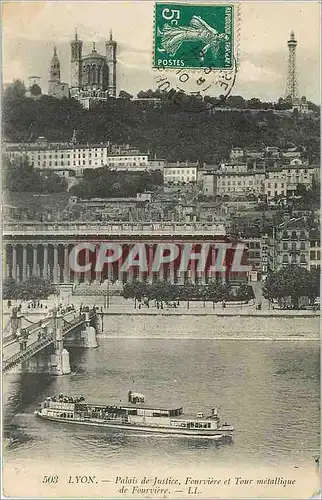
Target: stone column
172, 271
110, 273
66, 265
212, 274
150, 262
45, 268
34, 260
18, 272
98, 274
161, 272
180, 273
120, 272
14, 262
55, 266
24, 262
130, 272
87, 274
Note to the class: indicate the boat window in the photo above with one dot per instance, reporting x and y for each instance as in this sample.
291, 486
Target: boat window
192, 425
132, 412
205, 425
155, 414
209, 425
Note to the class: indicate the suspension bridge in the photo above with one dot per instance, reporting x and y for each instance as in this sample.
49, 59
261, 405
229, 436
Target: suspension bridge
41, 346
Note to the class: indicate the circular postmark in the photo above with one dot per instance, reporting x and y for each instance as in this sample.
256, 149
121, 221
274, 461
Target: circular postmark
188, 88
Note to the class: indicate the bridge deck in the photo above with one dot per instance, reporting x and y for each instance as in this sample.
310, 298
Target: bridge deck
34, 346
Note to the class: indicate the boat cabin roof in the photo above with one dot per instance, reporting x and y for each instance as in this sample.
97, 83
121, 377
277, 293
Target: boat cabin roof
143, 406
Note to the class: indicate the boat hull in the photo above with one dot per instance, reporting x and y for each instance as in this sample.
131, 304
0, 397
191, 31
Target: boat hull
206, 433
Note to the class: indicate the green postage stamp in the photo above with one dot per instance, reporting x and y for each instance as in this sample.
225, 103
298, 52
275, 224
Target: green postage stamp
193, 36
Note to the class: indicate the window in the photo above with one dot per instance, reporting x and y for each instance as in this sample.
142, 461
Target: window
312, 255
285, 246
285, 258
302, 258
293, 247
303, 245
318, 255
294, 235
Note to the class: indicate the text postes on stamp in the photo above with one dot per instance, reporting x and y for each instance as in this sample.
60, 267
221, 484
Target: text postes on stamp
193, 36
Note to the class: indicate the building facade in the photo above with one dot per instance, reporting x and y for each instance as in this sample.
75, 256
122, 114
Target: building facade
238, 183
71, 159
180, 173
283, 181
315, 249
290, 245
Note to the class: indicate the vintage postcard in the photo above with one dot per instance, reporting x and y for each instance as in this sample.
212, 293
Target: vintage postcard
161, 249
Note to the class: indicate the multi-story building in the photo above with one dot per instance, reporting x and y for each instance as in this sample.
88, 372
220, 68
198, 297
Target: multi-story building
208, 183
272, 152
254, 256
282, 181
290, 245
65, 159
315, 249
236, 154
238, 184
71, 159
180, 173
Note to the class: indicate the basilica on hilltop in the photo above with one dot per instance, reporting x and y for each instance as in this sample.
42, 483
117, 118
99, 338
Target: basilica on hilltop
93, 75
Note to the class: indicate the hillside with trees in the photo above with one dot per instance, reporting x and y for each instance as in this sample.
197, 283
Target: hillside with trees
167, 130
20, 176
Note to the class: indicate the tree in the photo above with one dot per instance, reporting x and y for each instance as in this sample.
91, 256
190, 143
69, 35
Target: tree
290, 282
9, 289
33, 288
15, 91
20, 176
314, 284
244, 292
35, 90
136, 290
125, 95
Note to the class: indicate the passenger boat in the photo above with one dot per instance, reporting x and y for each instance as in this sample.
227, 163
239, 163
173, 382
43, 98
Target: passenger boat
135, 415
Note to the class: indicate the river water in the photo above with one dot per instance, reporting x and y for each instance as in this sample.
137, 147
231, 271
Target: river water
269, 390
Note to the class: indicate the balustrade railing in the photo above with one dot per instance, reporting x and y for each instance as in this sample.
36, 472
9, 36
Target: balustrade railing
30, 350
116, 228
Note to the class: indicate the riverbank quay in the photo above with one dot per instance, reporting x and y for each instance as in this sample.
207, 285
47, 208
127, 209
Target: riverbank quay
119, 306
223, 314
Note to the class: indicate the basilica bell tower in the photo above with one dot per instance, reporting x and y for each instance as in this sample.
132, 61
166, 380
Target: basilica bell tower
111, 47
76, 63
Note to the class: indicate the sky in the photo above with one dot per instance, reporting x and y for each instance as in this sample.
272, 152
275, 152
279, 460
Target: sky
31, 29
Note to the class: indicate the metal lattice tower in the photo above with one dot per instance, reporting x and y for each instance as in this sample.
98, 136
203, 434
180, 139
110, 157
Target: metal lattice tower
291, 86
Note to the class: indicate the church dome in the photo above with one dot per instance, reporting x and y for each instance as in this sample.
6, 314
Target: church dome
93, 56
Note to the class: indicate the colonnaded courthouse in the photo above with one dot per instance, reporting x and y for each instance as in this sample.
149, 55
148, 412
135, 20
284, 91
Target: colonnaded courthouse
43, 249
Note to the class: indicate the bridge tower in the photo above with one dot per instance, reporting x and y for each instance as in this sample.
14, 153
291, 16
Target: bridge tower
60, 359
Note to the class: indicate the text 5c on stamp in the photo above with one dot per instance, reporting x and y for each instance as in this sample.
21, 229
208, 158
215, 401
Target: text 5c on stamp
193, 36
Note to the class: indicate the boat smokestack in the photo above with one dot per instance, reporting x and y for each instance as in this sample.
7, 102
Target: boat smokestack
129, 398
